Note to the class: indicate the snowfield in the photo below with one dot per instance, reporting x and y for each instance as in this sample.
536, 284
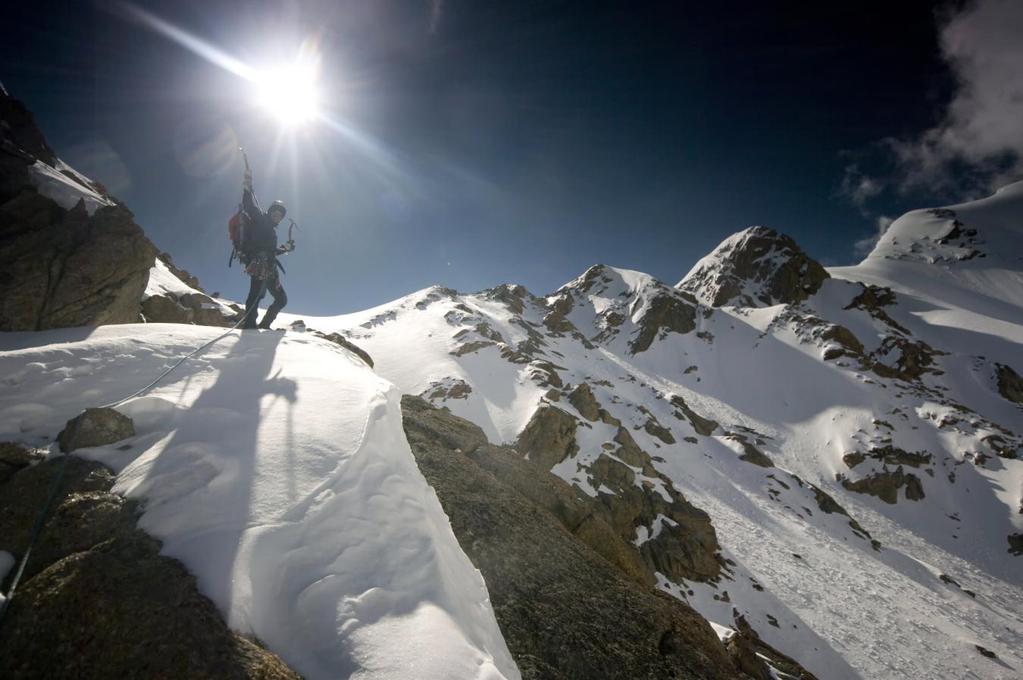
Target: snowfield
276, 469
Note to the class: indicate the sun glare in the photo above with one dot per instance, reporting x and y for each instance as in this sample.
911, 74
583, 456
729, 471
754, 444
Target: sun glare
289, 92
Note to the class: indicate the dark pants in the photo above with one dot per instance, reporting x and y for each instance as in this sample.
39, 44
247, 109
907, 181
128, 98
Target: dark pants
257, 289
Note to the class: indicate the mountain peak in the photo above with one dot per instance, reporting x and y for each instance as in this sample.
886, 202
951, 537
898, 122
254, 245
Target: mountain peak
755, 267
975, 231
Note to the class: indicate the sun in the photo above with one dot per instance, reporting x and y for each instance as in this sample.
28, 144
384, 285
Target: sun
289, 92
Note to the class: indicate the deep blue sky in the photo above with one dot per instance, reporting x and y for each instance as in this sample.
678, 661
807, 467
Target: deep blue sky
488, 142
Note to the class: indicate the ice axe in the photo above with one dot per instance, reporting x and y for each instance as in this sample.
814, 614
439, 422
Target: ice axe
292, 226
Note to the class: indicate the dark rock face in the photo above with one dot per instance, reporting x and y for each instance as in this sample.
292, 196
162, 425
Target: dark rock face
685, 544
886, 485
21, 143
565, 610
98, 601
62, 268
666, 313
758, 266
750, 453
891, 455
1016, 544
746, 649
681, 542
704, 426
13, 458
549, 437
196, 308
344, 342
584, 401
1010, 384
59, 267
913, 360
95, 427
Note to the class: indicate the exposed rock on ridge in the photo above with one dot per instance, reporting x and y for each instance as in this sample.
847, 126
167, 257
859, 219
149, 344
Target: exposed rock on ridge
68, 268
542, 580
98, 600
61, 267
755, 267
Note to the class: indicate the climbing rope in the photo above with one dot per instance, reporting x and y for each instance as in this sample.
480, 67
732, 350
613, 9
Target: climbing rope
37, 528
180, 361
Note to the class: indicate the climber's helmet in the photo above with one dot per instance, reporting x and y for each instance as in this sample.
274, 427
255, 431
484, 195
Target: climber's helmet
277, 211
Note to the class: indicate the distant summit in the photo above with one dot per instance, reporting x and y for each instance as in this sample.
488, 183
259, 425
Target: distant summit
757, 267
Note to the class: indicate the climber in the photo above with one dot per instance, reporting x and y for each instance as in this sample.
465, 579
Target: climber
258, 251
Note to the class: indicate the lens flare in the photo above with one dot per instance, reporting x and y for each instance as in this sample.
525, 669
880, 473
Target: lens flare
289, 92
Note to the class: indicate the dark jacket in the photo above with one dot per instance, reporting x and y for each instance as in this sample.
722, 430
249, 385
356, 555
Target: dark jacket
261, 234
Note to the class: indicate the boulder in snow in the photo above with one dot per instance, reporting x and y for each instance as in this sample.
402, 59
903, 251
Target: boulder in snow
95, 427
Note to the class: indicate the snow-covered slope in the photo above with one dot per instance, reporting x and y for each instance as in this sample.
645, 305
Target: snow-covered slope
959, 272
276, 468
856, 447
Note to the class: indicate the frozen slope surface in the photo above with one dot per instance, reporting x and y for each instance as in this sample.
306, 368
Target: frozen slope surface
940, 581
276, 469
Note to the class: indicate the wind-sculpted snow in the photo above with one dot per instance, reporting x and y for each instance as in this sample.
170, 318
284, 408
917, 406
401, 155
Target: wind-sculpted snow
276, 469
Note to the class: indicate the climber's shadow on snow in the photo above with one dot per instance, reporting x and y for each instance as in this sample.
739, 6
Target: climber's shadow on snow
199, 483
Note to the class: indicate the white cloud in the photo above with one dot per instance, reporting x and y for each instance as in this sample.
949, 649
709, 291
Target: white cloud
863, 247
982, 128
858, 187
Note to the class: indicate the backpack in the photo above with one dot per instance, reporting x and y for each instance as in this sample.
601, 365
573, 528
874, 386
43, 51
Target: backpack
237, 228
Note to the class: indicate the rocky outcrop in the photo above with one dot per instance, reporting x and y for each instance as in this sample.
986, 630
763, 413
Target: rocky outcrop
1016, 544
749, 651
750, 453
885, 485
641, 506
1010, 384
342, 341
667, 313
548, 438
565, 610
183, 275
704, 426
448, 388
841, 342
674, 537
21, 144
903, 359
95, 427
755, 267
62, 268
98, 600
586, 403
197, 308
15, 457
891, 455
